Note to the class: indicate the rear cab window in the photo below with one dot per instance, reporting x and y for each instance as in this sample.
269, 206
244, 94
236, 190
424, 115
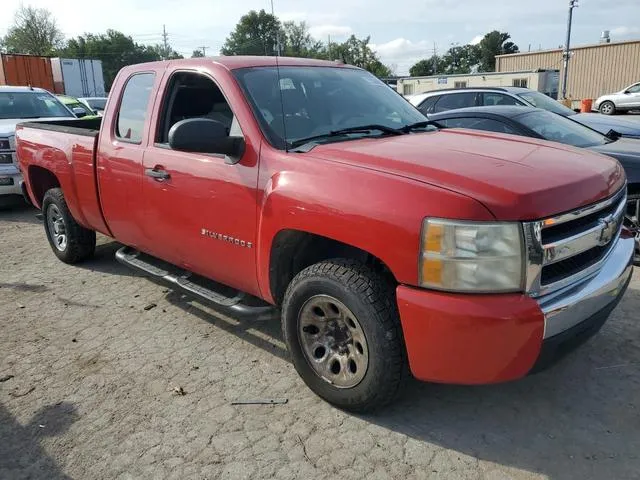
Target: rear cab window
134, 106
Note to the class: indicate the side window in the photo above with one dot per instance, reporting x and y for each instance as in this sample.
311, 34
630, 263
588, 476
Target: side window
193, 95
520, 82
454, 101
635, 89
426, 106
134, 106
498, 99
486, 124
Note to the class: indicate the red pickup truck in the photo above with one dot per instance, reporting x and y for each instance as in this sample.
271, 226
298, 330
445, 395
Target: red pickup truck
389, 245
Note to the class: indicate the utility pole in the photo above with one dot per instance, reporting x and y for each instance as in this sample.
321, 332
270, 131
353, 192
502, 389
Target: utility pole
204, 51
277, 33
567, 47
435, 58
165, 42
329, 46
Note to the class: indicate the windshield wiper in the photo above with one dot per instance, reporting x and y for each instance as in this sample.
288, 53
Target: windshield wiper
305, 144
418, 125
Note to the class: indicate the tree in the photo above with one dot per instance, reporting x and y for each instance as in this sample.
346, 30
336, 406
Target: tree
425, 68
494, 43
165, 53
358, 52
115, 49
34, 31
460, 59
296, 41
255, 34
197, 54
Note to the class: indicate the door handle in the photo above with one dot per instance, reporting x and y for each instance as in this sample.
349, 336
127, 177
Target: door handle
157, 173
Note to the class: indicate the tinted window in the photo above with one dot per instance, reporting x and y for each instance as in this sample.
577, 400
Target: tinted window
560, 129
312, 101
486, 124
30, 105
454, 101
634, 89
498, 99
540, 100
426, 107
134, 106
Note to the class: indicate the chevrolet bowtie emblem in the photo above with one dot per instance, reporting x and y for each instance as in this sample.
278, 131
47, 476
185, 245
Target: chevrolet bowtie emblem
609, 228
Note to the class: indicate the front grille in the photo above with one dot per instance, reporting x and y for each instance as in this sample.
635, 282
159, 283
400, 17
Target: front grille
6, 158
566, 248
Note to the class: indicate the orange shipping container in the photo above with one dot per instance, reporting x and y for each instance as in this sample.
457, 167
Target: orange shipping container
24, 70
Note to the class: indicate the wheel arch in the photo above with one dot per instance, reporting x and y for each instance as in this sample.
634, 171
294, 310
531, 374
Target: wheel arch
40, 180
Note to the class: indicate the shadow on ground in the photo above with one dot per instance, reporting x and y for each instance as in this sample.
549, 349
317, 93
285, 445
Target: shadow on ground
17, 211
21, 453
104, 259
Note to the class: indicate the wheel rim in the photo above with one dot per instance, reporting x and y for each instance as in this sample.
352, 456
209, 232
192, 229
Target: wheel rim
333, 341
607, 108
632, 222
56, 226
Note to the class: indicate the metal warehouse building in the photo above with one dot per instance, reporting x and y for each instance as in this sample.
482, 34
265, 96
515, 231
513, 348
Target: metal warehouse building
593, 69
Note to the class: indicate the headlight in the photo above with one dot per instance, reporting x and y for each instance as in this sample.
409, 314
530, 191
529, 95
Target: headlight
460, 256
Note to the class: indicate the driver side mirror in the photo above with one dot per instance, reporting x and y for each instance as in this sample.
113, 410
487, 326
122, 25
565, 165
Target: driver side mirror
204, 135
79, 112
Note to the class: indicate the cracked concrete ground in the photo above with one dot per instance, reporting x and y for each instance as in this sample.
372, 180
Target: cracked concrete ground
89, 375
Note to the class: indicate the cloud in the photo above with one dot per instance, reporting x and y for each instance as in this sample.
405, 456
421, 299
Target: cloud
624, 31
321, 31
401, 48
476, 40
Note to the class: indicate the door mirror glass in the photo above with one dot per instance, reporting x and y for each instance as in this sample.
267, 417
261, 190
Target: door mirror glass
204, 135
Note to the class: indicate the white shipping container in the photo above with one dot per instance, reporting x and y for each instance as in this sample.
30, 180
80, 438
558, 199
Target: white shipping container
78, 77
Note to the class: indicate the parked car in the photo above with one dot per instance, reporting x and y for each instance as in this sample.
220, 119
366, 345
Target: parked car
538, 123
619, 102
18, 104
443, 100
79, 109
97, 104
388, 245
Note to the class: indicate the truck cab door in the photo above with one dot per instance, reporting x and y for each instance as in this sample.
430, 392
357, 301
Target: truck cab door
200, 210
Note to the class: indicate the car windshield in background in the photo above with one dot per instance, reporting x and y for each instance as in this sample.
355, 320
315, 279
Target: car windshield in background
315, 101
30, 105
544, 102
97, 103
560, 129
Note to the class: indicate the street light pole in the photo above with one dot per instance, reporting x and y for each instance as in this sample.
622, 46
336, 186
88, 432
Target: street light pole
567, 51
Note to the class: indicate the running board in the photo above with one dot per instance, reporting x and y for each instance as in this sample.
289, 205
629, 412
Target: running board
219, 295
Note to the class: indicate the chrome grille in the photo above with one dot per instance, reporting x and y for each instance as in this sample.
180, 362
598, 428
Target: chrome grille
7, 152
564, 249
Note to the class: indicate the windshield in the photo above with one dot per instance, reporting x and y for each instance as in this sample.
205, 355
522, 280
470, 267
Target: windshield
97, 103
30, 105
560, 129
540, 100
319, 100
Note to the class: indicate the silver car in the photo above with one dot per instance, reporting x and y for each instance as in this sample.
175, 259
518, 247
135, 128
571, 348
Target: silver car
622, 101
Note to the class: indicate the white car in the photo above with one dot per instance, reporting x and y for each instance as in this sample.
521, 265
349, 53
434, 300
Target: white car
97, 104
20, 104
622, 101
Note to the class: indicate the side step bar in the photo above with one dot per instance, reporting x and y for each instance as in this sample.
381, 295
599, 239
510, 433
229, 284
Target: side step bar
221, 296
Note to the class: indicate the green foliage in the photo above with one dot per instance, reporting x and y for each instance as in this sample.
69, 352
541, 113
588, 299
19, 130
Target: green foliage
425, 68
297, 42
357, 52
494, 43
165, 53
115, 49
34, 31
460, 59
197, 54
255, 34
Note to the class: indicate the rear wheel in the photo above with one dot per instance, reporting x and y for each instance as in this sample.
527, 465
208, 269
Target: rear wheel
632, 221
70, 242
342, 328
607, 108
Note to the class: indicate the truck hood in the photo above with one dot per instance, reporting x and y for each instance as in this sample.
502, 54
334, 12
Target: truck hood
8, 125
516, 178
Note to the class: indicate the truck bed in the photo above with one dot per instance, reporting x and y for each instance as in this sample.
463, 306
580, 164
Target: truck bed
68, 149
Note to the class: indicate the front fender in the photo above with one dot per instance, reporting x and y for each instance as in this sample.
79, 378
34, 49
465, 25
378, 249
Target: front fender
376, 212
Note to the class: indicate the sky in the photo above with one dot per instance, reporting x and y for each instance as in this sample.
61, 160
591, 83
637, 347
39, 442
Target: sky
402, 33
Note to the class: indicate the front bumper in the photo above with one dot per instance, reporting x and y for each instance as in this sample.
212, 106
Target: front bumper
480, 339
14, 179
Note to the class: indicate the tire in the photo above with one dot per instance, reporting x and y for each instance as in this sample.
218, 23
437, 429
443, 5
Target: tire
632, 221
79, 243
370, 299
607, 108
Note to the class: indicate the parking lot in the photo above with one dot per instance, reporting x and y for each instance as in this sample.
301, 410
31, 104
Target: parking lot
91, 358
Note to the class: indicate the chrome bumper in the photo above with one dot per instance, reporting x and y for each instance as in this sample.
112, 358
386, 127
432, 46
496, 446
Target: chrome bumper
16, 188
566, 308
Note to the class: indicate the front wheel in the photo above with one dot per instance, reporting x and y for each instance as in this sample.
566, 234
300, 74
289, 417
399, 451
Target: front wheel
70, 242
607, 108
632, 221
341, 325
